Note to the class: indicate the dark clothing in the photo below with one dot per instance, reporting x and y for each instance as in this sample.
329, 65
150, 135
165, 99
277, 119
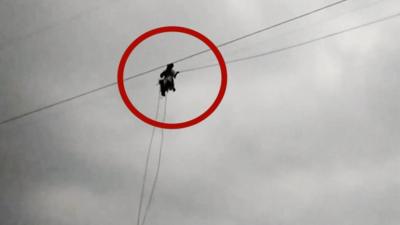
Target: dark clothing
168, 73
168, 77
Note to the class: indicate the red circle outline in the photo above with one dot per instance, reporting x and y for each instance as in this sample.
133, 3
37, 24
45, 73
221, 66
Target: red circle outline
146, 35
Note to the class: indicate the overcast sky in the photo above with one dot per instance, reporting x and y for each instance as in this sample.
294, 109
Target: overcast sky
306, 136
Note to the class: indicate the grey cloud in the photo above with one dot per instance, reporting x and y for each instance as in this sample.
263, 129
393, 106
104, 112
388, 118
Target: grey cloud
307, 136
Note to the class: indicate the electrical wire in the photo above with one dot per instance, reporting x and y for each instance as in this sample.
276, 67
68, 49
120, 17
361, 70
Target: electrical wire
294, 45
264, 29
176, 61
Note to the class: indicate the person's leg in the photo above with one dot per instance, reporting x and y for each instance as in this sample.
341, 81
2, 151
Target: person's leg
173, 85
162, 87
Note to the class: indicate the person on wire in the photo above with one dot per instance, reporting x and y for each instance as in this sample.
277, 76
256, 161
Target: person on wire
167, 79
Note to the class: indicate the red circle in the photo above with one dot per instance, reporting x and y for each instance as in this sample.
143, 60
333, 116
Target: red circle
205, 40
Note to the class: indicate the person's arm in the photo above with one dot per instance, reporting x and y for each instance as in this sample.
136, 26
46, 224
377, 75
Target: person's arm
176, 73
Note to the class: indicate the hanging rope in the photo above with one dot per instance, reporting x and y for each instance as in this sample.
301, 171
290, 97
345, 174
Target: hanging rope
146, 168
153, 187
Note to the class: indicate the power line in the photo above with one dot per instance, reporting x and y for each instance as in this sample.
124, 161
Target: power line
264, 29
161, 66
245, 36
295, 45
77, 96
58, 103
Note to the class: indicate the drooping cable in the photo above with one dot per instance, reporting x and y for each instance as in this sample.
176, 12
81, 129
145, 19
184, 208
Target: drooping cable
146, 168
153, 187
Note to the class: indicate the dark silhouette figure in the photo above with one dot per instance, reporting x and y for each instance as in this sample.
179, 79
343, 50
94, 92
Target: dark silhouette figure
167, 79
